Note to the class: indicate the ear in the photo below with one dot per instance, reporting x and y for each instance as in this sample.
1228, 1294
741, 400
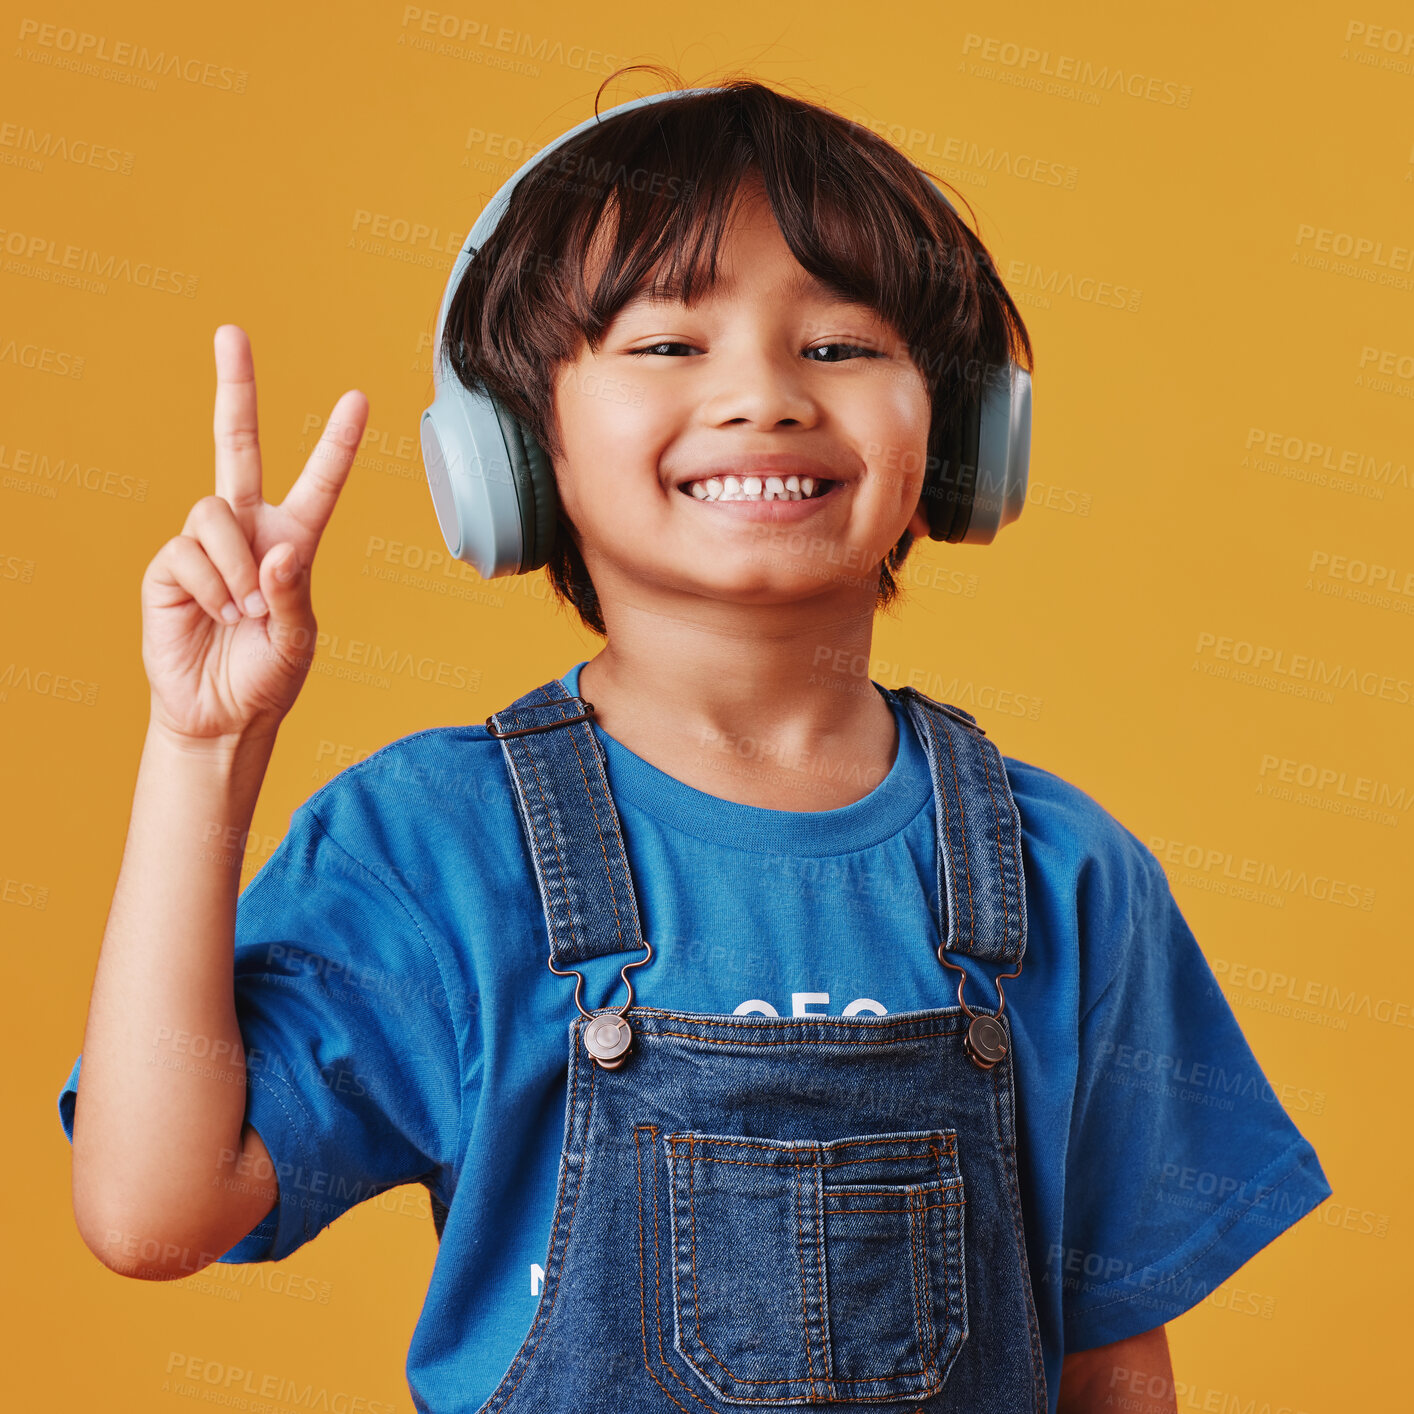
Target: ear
918, 525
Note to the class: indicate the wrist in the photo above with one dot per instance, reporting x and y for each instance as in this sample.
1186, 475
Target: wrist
195, 798
253, 742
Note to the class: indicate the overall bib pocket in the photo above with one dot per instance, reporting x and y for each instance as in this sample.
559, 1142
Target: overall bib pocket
812, 1271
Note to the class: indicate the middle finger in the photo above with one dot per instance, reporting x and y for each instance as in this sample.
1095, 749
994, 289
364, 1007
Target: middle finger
213, 523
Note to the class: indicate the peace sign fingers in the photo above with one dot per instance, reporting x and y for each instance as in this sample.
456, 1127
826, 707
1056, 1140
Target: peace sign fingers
235, 427
228, 622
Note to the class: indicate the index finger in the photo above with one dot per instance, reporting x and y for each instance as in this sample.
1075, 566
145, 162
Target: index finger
311, 499
234, 427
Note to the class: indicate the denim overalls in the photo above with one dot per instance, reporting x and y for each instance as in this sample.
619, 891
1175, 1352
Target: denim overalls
762, 1213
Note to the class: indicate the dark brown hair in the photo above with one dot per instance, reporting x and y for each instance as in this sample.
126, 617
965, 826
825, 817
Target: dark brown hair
854, 211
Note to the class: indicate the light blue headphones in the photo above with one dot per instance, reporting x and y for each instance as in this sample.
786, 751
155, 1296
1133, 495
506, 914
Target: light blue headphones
494, 489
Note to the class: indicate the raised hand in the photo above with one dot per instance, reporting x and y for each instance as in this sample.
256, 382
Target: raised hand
228, 630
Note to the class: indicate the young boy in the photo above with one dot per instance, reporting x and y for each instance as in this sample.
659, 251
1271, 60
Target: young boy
755, 1156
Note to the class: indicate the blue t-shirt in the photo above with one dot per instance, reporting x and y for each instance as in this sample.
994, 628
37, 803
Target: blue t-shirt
401, 1025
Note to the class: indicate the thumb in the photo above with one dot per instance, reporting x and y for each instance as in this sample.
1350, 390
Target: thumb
284, 581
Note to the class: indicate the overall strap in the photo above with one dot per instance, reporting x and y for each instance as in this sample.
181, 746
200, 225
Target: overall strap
581, 864
571, 823
981, 883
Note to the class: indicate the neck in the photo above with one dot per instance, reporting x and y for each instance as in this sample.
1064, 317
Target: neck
765, 709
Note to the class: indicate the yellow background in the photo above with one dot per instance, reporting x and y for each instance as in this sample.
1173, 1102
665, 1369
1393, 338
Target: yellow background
1156, 532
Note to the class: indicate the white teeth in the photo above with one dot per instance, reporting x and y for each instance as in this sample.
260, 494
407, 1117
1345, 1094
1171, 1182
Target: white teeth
753, 488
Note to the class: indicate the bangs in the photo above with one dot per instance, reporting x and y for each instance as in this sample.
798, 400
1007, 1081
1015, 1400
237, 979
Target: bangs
653, 222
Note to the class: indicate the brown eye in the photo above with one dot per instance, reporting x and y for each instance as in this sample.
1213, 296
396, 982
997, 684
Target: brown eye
852, 348
663, 344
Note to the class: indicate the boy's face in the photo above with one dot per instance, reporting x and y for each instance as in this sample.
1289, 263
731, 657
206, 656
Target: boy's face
763, 376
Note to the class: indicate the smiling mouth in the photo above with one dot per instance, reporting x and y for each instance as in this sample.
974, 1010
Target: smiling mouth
757, 488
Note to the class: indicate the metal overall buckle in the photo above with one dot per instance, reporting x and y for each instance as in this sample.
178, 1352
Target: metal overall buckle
584, 716
986, 1039
607, 1035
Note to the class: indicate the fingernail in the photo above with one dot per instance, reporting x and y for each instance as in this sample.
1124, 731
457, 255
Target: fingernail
285, 570
254, 604
230, 613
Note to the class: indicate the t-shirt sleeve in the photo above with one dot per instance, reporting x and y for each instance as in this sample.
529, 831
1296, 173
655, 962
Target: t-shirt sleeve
1182, 1161
352, 1069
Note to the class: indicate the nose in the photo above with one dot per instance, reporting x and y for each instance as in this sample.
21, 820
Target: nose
761, 386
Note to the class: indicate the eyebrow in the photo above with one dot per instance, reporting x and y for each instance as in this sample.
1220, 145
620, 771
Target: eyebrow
800, 284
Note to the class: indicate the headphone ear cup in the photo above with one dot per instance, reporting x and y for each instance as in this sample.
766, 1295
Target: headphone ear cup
534, 479
989, 449
492, 485
951, 481
465, 456
1003, 453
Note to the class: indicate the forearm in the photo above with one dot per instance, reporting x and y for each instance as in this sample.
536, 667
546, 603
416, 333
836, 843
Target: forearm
1133, 1374
161, 1100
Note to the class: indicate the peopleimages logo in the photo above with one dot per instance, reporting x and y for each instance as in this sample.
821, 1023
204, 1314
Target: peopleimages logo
479, 41
1307, 773
1263, 873
46, 258
21, 145
1358, 792
1270, 663
88, 52
215, 1382
1037, 65
1311, 455
1288, 995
